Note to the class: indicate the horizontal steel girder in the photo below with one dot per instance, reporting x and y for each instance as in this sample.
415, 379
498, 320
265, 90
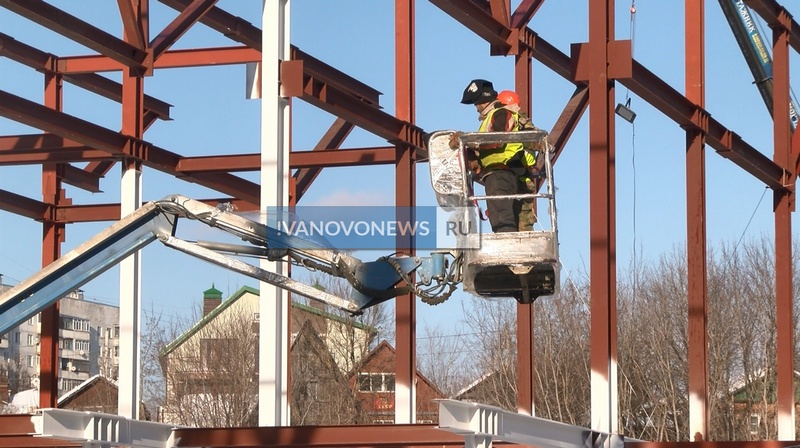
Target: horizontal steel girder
776, 16
82, 32
47, 62
42, 148
319, 436
117, 144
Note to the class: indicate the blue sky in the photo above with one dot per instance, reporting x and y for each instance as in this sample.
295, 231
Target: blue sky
212, 116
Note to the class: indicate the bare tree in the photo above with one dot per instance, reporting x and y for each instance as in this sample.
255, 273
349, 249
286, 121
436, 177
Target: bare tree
561, 350
492, 343
437, 356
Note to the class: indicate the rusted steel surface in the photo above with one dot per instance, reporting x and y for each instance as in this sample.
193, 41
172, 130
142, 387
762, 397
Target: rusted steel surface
319, 436
697, 270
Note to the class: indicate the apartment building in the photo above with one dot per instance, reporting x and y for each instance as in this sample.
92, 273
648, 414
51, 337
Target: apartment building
88, 345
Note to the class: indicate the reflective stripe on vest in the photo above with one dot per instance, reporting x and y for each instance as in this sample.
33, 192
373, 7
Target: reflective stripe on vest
503, 154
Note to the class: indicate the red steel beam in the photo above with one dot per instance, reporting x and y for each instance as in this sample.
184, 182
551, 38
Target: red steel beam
133, 30
47, 62
343, 157
696, 238
777, 16
24, 206
88, 213
111, 212
35, 143
333, 139
524, 12
688, 114
78, 177
405, 366
568, 120
228, 25
602, 219
340, 103
194, 57
82, 32
743, 444
172, 32
477, 16
115, 143
318, 158
24, 441
399, 435
783, 205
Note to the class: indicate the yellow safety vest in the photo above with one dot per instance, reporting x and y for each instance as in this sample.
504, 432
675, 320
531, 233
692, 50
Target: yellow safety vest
502, 154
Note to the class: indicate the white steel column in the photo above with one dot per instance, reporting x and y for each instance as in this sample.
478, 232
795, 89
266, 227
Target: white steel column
273, 401
130, 292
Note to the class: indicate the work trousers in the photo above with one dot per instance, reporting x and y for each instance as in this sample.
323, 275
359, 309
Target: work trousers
503, 213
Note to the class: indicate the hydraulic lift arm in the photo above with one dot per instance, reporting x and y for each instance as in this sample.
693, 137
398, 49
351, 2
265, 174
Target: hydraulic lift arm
523, 265
372, 282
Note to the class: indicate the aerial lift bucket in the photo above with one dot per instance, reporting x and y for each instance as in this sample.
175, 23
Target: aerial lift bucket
522, 265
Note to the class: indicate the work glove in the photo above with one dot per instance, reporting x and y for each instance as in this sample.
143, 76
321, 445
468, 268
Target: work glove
455, 139
474, 166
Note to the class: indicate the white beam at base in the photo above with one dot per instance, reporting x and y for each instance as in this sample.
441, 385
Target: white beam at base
130, 309
480, 423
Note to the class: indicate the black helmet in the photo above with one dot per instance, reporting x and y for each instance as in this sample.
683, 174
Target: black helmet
479, 91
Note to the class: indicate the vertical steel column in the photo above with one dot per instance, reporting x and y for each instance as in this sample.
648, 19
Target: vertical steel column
273, 360
130, 269
52, 236
526, 387
783, 206
697, 274
405, 181
602, 224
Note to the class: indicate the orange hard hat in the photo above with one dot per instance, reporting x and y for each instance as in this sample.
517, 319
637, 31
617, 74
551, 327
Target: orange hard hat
508, 97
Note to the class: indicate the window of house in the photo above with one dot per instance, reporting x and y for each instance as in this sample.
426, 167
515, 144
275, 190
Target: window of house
16, 337
116, 331
214, 352
755, 420
376, 382
30, 339
29, 360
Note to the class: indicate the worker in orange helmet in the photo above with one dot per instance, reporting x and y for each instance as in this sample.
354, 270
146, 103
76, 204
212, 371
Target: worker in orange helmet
527, 217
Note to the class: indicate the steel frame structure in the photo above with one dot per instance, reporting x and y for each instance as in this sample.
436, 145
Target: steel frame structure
594, 67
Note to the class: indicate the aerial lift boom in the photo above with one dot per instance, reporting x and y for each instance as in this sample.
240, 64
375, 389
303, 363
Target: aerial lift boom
372, 282
523, 265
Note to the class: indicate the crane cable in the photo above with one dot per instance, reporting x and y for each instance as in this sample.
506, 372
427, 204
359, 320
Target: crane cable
632, 33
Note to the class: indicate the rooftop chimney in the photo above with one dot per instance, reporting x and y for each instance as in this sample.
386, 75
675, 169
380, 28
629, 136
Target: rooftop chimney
211, 299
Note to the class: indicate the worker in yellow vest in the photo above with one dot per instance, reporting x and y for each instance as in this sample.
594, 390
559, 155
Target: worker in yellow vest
497, 164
